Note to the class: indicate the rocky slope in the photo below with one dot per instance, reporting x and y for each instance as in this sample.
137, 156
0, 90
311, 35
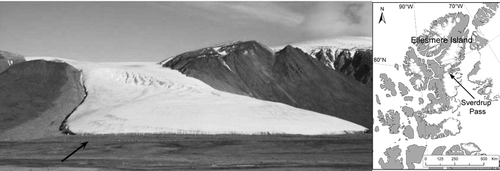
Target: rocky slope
351, 56
288, 76
35, 98
8, 59
358, 65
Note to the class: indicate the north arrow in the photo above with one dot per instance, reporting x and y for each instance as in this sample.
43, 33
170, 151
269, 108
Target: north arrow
382, 18
461, 85
82, 146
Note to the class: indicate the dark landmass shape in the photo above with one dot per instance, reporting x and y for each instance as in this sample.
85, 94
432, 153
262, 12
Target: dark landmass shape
409, 132
427, 130
377, 99
393, 161
414, 154
392, 119
403, 89
387, 84
438, 151
455, 150
484, 14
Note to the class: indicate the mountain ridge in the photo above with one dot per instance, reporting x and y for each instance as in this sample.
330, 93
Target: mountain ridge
289, 75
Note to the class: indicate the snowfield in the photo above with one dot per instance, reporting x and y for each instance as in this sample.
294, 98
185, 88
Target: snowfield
141, 97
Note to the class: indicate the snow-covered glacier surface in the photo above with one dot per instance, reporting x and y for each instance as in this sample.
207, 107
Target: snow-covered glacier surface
139, 97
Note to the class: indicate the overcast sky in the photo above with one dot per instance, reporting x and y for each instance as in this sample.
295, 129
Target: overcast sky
153, 31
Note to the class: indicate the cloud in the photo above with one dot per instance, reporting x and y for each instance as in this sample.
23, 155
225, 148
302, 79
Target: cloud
340, 19
314, 19
261, 11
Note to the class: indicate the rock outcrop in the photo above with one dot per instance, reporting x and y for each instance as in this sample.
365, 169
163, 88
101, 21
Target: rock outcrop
8, 59
354, 63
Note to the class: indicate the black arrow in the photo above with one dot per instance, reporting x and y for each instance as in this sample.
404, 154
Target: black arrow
82, 146
461, 85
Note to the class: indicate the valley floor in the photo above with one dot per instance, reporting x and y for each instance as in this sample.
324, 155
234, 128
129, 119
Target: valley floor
191, 152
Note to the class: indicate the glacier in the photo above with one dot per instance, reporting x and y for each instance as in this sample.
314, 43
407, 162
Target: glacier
143, 97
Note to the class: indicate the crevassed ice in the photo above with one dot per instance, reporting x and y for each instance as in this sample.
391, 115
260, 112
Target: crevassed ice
124, 99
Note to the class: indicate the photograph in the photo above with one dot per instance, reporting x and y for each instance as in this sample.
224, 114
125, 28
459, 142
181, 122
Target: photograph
186, 85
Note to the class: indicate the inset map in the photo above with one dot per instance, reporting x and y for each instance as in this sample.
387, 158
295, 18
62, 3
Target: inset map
436, 85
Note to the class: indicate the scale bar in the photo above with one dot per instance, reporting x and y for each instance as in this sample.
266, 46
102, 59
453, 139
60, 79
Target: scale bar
460, 161
454, 164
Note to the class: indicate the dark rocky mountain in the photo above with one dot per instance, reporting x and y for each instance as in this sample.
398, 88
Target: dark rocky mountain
288, 76
36, 96
358, 65
8, 59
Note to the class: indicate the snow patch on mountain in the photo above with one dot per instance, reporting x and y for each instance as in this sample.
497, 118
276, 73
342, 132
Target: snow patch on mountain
165, 61
351, 43
330, 49
348, 42
227, 66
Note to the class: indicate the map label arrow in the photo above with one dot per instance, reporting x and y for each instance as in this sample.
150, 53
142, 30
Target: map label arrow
453, 77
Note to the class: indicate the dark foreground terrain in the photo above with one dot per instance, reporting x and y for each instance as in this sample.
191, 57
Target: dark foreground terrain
190, 152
